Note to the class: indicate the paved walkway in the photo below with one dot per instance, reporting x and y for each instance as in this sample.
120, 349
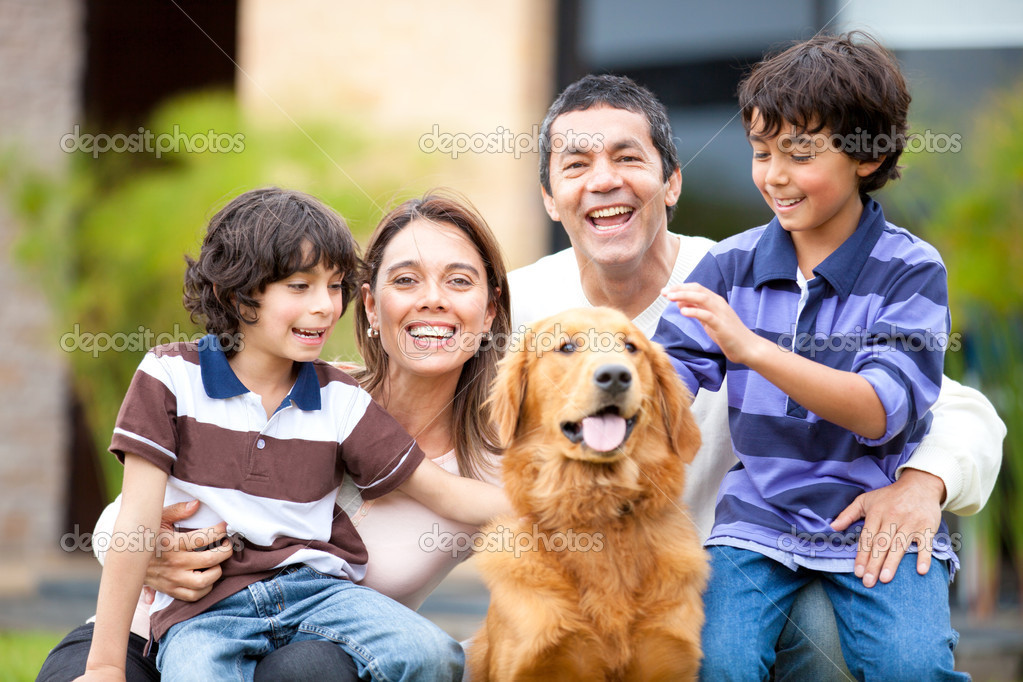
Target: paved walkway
66, 597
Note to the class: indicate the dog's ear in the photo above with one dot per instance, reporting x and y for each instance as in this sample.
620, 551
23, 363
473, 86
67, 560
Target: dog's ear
508, 391
675, 401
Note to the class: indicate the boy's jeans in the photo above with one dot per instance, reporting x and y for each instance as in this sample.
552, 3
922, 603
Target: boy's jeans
390, 640
809, 647
894, 631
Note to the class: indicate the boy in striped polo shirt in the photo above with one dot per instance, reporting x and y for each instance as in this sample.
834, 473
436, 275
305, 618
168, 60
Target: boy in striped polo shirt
250, 422
832, 325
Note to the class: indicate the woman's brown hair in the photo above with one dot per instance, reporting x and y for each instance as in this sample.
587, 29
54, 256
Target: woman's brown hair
471, 426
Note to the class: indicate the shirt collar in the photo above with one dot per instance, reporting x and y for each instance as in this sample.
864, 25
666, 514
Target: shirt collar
775, 257
220, 381
306, 391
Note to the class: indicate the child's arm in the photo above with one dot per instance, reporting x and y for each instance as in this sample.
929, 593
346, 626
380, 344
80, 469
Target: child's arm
461, 499
132, 546
183, 568
840, 397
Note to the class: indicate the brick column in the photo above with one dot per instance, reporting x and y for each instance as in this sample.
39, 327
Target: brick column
41, 56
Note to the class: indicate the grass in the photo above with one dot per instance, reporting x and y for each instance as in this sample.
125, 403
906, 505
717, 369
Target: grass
23, 653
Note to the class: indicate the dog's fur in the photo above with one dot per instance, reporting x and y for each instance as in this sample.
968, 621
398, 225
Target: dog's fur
601, 574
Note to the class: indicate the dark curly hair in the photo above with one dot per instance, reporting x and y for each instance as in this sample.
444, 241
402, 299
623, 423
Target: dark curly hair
261, 237
847, 85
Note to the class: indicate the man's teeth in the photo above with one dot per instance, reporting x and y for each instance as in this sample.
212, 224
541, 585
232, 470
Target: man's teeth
608, 212
427, 330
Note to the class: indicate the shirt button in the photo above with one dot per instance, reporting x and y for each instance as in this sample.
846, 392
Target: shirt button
260, 443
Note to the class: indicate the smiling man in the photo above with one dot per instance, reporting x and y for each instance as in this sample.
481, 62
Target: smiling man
612, 194
609, 173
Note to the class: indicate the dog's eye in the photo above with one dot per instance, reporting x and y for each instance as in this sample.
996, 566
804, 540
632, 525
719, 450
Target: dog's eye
567, 347
631, 347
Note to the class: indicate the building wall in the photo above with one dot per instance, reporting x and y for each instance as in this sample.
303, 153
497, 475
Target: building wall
469, 68
40, 58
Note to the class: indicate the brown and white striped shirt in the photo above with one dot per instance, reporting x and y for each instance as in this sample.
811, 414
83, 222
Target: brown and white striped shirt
274, 481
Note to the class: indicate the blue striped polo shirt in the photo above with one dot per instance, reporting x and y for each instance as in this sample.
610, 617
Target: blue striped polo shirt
877, 306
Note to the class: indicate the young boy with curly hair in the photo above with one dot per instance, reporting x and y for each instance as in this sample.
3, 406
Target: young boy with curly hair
252, 424
831, 324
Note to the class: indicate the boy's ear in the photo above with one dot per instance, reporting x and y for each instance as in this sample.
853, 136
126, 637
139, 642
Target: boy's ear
869, 166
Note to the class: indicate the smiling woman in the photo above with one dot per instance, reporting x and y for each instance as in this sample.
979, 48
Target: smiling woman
434, 289
429, 295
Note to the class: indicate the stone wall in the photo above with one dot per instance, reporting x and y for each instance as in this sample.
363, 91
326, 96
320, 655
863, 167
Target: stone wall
41, 51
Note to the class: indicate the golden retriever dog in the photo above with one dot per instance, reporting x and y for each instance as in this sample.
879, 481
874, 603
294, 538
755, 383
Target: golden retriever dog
600, 575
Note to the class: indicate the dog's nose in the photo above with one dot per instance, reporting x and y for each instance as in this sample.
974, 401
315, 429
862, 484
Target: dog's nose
612, 378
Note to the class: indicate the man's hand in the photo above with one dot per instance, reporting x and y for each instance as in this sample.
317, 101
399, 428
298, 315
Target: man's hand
893, 518
176, 568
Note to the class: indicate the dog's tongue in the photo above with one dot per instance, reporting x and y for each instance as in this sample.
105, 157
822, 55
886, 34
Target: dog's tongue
603, 433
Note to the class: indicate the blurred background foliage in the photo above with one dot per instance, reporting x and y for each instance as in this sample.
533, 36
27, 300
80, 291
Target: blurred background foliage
970, 206
107, 240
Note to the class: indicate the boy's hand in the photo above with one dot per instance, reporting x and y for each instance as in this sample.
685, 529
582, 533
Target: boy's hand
176, 568
893, 517
103, 674
720, 322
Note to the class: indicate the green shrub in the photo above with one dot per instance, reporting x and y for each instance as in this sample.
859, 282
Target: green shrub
972, 204
107, 240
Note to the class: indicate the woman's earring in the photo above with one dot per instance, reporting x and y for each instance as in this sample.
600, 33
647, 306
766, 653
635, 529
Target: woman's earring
485, 339
372, 333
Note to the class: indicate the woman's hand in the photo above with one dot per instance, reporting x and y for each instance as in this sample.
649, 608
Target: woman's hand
177, 568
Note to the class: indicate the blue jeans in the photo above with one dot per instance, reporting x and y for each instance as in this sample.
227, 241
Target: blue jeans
809, 647
894, 631
385, 639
